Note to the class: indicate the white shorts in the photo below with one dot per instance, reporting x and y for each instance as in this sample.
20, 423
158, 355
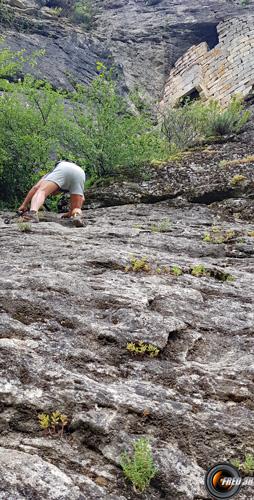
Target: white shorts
68, 176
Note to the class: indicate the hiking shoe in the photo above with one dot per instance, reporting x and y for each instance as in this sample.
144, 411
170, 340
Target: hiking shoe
29, 216
77, 220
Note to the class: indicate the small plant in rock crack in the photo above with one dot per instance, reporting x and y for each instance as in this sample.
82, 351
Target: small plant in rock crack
141, 348
139, 468
53, 424
138, 265
218, 236
247, 466
163, 227
162, 270
176, 270
237, 179
199, 270
24, 227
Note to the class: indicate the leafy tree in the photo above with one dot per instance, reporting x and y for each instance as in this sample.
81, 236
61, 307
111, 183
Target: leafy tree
93, 126
114, 139
29, 135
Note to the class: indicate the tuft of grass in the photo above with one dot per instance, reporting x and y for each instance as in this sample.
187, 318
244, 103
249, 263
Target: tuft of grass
239, 161
199, 270
24, 227
140, 348
219, 236
247, 466
251, 234
176, 270
139, 468
163, 227
237, 179
138, 265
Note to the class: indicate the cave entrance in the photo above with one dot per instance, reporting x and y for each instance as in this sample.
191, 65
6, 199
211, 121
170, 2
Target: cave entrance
192, 95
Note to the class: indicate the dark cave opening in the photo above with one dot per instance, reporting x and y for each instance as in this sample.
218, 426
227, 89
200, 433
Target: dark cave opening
206, 32
192, 95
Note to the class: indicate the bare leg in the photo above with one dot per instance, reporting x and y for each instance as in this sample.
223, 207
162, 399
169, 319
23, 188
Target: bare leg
44, 190
76, 204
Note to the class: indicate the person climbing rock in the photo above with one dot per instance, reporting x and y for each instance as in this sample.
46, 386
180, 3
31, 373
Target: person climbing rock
66, 177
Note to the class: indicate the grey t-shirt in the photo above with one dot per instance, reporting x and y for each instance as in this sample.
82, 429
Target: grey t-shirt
68, 176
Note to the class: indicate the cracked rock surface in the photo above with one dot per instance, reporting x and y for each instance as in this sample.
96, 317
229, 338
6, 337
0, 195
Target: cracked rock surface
68, 307
142, 38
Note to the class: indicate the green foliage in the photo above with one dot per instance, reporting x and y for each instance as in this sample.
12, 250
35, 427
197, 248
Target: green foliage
56, 11
181, 127
199, 270
162, 270
31, 121
162, 227
142, 348
54, 423
139, 468
92, 126
24, 227
114, 140
247, 466
218, 236
83, 13
196, 121
176, 270
237, 179
10, 62
138, 265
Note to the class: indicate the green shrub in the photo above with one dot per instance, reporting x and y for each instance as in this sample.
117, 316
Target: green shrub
139, 468
114, 141
31, 121
92, 126
196, 121
180, 128
247, 466
83, 13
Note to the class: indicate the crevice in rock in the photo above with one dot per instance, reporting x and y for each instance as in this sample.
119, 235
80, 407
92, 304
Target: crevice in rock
212, 196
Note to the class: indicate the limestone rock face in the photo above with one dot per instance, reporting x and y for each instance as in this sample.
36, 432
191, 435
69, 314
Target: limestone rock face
69, 304
219, 73
143, 37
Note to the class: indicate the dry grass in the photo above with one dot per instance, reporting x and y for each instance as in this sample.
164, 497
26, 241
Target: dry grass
239, 161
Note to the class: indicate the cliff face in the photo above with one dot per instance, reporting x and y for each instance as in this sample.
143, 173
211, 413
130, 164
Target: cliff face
218, 73
70, 303
143, 38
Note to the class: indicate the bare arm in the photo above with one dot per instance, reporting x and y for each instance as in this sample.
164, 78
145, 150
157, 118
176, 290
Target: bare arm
77, 202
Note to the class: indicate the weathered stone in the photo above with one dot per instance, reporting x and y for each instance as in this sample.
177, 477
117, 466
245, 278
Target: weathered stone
143, 39
218, 73
68, 307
